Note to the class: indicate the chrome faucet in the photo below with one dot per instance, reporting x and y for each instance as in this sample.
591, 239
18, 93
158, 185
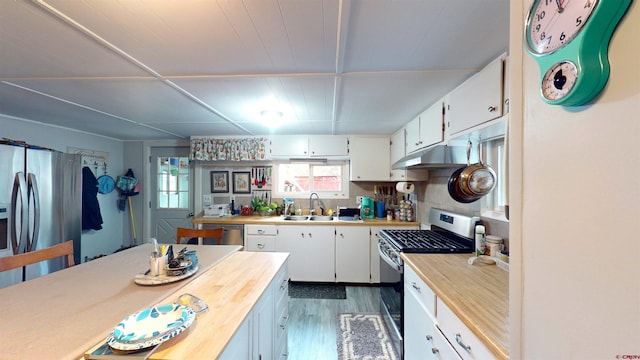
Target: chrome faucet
311, 202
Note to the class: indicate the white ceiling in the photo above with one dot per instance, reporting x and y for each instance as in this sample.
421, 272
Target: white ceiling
169, 69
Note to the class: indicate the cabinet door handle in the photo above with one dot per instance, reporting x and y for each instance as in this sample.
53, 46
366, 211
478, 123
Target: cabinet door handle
429, 337
260, 246
260, 231
466, 347
492, 108
434, 350
283, 324
415, 286
284, 284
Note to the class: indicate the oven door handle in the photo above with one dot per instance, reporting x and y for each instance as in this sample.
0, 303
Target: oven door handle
388, 260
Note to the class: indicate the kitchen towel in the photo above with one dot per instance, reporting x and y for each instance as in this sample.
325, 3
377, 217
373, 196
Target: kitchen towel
405, 187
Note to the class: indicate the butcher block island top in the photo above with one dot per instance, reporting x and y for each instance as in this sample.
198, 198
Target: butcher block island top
277, 220
231, 289
63, 314
477, 294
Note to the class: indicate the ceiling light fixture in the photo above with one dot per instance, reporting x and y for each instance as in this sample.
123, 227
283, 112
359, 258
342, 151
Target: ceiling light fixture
272, 118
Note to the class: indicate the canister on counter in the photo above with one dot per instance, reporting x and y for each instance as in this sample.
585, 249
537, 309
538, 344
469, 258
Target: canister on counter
494, 245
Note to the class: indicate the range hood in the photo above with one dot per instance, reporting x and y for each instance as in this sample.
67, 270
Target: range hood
437, 156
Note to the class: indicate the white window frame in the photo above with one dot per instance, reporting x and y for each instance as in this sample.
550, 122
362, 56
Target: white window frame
493, 156
344, 194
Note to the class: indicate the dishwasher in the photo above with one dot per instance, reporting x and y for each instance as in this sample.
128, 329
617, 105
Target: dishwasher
233, 234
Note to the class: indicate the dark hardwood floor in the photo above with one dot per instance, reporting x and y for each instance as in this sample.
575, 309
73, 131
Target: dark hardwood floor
312, 322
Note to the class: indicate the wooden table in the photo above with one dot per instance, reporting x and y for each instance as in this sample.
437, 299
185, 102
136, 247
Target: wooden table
60, 315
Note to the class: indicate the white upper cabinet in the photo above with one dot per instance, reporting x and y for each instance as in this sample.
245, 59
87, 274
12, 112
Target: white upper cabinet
477, 100
328, 145
426, 129
397, 153
306, 146
370, 158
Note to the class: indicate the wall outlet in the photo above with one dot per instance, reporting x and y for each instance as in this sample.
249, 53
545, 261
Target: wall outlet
206, 199
358, 199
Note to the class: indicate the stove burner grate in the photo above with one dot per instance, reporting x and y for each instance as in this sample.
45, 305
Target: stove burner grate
426, 241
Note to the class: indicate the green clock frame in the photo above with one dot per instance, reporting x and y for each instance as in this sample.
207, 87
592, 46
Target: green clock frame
588, 50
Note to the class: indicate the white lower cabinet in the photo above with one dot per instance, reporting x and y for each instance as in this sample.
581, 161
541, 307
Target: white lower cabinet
432, 330
460, 336
352, 254
281, 292
239, 347
311, 249
263, 326
420, 329
260, 237
260, 337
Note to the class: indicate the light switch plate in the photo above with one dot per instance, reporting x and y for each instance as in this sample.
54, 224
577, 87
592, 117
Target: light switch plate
358, 199
206, 199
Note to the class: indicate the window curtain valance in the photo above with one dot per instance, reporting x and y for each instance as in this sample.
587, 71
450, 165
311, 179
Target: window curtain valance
229, 149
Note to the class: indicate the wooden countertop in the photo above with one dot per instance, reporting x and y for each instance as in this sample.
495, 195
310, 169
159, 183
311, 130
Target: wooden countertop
277, 220
63, 314
231, 289
477, 294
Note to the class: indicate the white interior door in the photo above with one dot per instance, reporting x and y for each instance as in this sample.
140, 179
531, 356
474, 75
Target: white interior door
171, 205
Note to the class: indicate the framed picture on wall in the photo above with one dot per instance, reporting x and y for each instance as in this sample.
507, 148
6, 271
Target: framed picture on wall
241, 182
219, 181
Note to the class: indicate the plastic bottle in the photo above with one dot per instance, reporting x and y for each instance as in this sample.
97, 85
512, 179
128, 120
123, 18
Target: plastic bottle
481, 248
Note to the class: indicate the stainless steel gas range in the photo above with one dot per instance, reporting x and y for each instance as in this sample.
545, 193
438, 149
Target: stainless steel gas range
449, 233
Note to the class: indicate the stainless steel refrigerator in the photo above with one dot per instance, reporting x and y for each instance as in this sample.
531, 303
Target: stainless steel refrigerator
41, 194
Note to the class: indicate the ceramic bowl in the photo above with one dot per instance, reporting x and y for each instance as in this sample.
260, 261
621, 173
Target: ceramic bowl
180, 270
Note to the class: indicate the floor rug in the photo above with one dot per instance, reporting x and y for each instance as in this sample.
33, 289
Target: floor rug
317, 291
363, 336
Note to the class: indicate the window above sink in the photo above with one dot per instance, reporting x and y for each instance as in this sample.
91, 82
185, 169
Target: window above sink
300, 178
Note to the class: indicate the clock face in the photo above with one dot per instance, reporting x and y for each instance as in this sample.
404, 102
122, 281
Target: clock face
559, 80
554, 23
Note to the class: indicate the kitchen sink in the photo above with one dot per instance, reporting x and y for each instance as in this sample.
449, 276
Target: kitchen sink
321, 218
295, 218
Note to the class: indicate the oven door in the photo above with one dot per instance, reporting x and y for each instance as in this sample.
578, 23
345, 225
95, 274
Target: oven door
391, 303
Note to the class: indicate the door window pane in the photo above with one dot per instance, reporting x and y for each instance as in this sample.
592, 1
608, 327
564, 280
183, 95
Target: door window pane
173, 183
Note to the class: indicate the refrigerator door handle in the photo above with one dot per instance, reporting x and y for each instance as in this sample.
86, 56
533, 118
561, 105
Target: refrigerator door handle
33, 192
19, 192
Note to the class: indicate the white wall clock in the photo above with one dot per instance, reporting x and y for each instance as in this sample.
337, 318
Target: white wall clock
569, 39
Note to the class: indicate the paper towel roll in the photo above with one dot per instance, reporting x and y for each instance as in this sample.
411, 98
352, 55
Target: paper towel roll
405, 187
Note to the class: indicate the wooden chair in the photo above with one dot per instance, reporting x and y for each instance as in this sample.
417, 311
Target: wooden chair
199, 233
56, 251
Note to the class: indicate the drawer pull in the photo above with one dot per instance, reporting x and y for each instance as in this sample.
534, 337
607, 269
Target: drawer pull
260, 231
429, 337
284, 284
435, 350
466, 347
415, 286
260, 246
492, 108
